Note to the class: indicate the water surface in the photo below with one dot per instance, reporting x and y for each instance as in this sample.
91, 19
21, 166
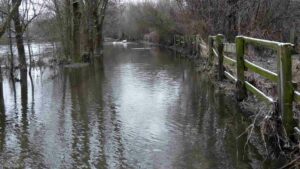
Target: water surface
140, 108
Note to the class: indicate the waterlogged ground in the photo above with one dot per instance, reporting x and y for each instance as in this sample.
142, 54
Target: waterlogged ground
141, 108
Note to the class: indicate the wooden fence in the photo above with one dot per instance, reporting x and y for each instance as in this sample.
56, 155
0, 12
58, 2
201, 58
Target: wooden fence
287, 95
283, 77
193, 43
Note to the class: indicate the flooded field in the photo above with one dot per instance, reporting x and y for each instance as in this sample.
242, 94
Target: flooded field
141, 108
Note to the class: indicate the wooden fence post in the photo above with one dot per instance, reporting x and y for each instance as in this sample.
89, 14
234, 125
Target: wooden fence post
189, 41
193, 45
220, 49
198, 47
285, 86
240, 52
210, 51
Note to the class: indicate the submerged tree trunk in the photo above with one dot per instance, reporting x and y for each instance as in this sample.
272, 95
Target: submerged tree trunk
76, 31
67, 33
19, 39
11, 59
89, 29
99, 16
98, 37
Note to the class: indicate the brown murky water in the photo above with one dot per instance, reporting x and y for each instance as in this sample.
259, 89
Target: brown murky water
140, 109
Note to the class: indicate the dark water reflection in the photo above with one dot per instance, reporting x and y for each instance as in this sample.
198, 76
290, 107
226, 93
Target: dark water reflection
140, 109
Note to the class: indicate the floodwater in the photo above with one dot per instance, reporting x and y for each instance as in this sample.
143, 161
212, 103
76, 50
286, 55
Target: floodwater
140, 108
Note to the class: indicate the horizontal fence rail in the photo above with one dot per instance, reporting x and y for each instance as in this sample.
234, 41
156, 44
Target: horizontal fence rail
261, 43
261, 71
191, 42
229, 47
283, 77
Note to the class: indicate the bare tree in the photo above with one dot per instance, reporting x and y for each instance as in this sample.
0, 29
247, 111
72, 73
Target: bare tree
9, 17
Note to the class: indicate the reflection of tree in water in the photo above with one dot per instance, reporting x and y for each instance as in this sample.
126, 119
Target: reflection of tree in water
12, 84
80, 145
24, 140
117, 136
2, 116
63, 133
30, 155
32, 92
63, 78
98, 74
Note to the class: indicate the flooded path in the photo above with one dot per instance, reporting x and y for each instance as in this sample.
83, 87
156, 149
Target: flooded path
143, 108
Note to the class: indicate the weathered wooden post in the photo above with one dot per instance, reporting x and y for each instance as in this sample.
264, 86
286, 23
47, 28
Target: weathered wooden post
241, 93
198, 45
285, 87
195, 45
191, 45
210, 51
220, 49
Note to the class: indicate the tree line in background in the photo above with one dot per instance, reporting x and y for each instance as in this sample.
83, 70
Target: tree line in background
75, 24
159, 20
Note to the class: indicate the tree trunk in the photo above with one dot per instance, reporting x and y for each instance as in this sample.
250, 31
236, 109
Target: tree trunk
11, 59
19, 38
68, 29
99, 19
232, 21
91, 5
6, 23
99, 39
76, 31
